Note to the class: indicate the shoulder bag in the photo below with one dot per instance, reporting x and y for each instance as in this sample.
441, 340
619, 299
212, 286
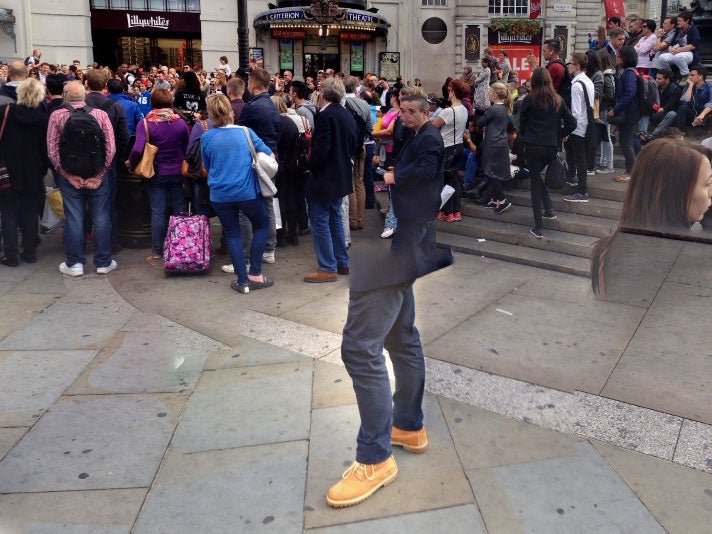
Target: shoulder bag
556, 172
193, 162
145, 168
5, 180
265, 167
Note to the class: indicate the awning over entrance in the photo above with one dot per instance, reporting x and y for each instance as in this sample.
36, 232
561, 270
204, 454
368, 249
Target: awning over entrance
297, 22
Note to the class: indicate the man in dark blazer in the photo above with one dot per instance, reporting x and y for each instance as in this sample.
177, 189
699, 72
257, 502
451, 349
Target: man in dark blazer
382, 314
333, 144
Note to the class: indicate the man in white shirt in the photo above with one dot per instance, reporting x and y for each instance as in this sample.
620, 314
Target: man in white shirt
576, 142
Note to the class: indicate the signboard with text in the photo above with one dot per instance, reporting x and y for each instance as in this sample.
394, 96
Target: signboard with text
285, 33
389, 63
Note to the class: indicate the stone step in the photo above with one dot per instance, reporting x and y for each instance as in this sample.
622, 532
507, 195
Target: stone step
523, 255
518, 234
565, 222
596, 207
599, 186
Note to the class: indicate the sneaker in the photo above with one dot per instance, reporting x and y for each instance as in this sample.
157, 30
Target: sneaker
387, 232
75, 270
683, 80
549, 215
572, 182
536, 232
268, 257
228, 268
604, 170
244, 289
457, 216
108, 268
591, 172
415, 441
576, 197
492, 204
502, 206
450, 217
360, 481
441, 216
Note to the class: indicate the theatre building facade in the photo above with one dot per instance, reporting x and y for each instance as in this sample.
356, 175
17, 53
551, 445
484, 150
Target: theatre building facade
428, 39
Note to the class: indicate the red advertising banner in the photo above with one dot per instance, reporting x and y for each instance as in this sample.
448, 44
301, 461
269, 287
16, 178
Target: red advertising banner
615, 8
281, 33
356, 36
517, 58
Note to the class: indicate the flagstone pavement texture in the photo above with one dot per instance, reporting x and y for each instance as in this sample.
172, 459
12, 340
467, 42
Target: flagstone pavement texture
136, 402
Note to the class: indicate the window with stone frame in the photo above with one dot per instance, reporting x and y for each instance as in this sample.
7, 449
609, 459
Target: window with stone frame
428, 3
509, 8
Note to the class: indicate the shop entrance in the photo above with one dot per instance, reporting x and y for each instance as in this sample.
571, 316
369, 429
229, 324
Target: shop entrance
313, 63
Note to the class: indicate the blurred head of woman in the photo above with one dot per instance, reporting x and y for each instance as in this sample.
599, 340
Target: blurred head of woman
220, 110
30, 93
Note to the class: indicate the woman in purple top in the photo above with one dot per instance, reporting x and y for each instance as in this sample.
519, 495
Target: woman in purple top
169, 132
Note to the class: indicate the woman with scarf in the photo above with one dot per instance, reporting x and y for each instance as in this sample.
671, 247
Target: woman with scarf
169, 132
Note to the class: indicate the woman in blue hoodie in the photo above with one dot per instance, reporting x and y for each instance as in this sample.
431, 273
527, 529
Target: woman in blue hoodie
625, 113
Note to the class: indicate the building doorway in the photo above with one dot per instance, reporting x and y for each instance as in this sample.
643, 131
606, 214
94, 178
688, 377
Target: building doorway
313, 63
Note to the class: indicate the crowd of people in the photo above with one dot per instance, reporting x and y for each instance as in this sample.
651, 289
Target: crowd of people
332, 135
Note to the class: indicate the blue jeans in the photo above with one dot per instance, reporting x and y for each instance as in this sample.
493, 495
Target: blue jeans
75, 201
376, 319
471, 166
328, 234
199, 190
229, 215
161, 191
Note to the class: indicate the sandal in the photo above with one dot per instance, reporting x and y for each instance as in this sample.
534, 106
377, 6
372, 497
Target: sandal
622, 178
154, 258
266, 282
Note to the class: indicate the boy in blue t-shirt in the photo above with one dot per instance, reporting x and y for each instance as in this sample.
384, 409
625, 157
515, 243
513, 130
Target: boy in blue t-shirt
142, 93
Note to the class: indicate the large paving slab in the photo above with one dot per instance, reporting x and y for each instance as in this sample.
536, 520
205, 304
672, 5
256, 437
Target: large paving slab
248, 352
25, 307
562, 345
144, 362
89, 442
66, 325
464, 518
332, 386
251, 489
9, 438
247, 406
671, 355
560, 495
425, 482
71, 512
33, 380
678, 497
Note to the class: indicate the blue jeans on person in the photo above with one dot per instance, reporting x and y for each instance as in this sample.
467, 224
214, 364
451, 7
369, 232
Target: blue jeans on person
201, 208
471, 166
163, 190
376, 319
328, 234
391, 219
229, 215
75, 201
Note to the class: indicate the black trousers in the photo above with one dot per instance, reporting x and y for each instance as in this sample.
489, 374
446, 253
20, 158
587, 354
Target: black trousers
19, 210
576, 160
537, 157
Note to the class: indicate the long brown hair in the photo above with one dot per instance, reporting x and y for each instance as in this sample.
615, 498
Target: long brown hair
541, 89
657, 200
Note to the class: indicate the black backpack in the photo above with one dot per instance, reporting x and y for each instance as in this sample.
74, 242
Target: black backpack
82, 146
565, 88
361, 125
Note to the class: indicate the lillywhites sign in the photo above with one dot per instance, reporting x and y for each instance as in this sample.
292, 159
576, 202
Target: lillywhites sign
134, 21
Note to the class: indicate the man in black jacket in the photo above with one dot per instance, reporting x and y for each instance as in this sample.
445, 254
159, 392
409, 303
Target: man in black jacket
96, 80
670, 94
382, 314
334, 141
262, 116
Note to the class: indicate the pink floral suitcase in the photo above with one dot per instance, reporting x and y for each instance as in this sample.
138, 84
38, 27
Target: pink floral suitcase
188, 247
